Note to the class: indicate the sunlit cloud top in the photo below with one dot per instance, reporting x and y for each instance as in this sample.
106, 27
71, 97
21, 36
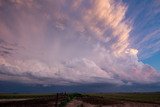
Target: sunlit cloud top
77, 42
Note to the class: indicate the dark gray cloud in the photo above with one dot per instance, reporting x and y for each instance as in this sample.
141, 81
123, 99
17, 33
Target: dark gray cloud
13, 87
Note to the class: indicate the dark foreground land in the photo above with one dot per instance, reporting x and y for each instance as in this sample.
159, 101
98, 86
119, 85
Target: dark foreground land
81, 100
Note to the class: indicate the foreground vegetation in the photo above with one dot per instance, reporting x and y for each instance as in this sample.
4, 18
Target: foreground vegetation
135, 97
61, 99
25, 96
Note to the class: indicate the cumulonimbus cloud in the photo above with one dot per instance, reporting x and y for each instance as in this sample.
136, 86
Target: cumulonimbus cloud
70, 42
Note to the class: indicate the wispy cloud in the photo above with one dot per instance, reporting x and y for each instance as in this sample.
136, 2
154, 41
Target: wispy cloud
70, 42
145, 21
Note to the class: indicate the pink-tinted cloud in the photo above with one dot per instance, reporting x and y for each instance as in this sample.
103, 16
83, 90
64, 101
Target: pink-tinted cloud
68, 42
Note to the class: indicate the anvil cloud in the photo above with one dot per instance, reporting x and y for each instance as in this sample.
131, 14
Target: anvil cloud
57, 42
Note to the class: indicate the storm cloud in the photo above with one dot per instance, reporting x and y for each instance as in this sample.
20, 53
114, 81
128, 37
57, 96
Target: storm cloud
64, 42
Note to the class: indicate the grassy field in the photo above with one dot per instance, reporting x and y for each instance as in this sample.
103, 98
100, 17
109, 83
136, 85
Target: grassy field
21, 96
36, 100
48, 100
136, 97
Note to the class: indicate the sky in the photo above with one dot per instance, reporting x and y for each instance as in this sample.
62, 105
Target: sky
77, 45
